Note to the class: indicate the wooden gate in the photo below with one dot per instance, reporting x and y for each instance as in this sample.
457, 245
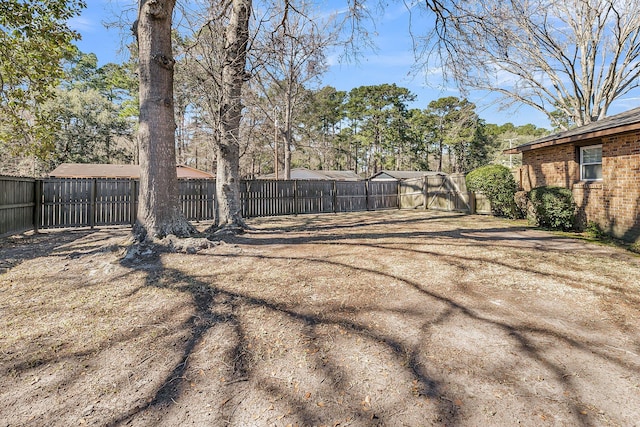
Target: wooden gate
437, 192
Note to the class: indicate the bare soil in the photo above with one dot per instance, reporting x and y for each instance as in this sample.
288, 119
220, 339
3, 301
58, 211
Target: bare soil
396, 318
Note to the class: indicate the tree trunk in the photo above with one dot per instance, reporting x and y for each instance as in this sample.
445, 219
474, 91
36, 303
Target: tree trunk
287, 156
159, 212
233, 78
288, 135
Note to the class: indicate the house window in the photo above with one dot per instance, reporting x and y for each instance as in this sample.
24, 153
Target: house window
591, 163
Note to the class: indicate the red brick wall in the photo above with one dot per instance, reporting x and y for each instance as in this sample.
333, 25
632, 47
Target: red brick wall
614, 202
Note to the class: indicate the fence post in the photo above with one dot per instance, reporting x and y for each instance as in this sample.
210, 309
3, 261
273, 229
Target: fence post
37, 205
424, 190
246, 198
200, 201
92, 203
427, 193
366, 193
334, 199
133, 212
295, 197
472, 202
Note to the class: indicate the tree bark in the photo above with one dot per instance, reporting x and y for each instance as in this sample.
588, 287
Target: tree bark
229, 214
159, 212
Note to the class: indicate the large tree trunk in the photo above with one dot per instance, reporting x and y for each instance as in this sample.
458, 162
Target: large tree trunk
159, 212
233, 78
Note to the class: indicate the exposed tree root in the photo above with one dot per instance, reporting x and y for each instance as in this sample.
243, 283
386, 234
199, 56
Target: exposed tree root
149, 249
234, 228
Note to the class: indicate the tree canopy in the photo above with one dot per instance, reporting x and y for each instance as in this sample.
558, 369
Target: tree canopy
569, 59
34, 39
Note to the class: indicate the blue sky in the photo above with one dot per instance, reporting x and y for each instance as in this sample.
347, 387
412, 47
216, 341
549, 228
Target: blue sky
391, 62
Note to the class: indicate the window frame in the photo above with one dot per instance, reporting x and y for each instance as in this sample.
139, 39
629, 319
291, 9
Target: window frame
582, 163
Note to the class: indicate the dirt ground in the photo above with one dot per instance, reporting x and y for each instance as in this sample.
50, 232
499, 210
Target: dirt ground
396, 318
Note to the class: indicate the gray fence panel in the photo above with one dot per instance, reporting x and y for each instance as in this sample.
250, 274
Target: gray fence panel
17, 204
350, 196
382, 195
314, 196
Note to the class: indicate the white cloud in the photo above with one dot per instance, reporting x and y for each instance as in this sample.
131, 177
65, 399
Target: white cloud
83, 24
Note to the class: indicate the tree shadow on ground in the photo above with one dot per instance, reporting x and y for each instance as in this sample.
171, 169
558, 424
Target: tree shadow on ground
19, 248
214, 305
417, 330
366, 219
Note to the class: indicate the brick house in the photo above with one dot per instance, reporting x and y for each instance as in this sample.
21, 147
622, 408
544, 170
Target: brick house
600, 163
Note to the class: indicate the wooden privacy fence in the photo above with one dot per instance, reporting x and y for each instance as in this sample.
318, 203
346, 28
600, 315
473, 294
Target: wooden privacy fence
17, 204
272, 198
87, 202
80, 202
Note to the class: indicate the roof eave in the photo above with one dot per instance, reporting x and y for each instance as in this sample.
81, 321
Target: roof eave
574, 138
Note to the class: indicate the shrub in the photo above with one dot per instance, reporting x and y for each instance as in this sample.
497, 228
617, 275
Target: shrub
497, 183
523, 204
594, 230
553, 207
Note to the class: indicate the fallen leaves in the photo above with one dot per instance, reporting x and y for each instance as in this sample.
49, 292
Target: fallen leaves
366, 403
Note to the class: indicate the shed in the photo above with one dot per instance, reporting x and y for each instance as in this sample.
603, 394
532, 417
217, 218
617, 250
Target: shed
92, 170
599, 163
386, 175
307, 174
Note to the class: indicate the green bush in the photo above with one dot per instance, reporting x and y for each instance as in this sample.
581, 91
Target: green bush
497, 183
594, 230
523, 204
553, 207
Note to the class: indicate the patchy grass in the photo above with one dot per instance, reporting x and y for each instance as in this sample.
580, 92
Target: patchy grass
594, 234
383, 318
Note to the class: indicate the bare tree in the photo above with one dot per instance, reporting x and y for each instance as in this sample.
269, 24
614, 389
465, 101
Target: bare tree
289, 54
202, 67
159, 212
573, 57
215, 58
234, 75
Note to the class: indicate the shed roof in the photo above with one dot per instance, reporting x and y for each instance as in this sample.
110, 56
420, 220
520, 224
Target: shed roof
304, 173
400, 175
93, 170
341, 175
619, 123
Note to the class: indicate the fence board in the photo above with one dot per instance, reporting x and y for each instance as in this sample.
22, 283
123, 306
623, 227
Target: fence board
350, 196
382, 195
17, 204
412, 193
447, 193
268, 198
197, 198
66, 202
314, 196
